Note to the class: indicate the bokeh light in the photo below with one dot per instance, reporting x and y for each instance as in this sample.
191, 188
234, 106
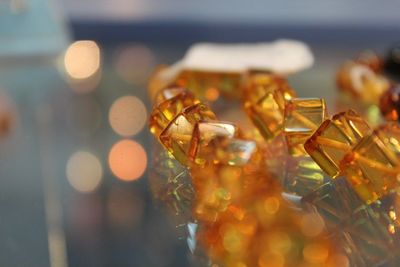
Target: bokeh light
134, 63
127, 160
127, 115
84, 171
82, 59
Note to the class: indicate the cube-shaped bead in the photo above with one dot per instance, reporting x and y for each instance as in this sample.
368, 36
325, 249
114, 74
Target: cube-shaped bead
172, 101
334, 139
372, 168
207, 136
265, 95
302, 176
302, 117
200, 81
390, 135
177, 135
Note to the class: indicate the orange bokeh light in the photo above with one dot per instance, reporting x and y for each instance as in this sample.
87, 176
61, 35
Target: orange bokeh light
127, 160
127, 115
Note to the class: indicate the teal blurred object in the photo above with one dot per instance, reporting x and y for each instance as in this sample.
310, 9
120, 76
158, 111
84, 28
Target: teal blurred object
30, 28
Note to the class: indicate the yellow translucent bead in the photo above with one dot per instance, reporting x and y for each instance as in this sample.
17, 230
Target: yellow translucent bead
201, 82
361, 82
170, 102
334, 139
177, 135
302, 117
207, 136
264, 101
372, 168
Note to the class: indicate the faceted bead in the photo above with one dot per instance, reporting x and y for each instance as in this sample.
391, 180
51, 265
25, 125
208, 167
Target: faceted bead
334, 138
201, 82
390, 104
207, 136
302, 117
361, 82
172, 102
177, 135
265, 95
372, 168
392, 62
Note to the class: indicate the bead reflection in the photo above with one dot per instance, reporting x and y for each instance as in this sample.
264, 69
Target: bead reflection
127, 115
127, 160
84, 171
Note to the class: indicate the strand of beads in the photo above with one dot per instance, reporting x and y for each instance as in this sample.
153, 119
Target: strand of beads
243, 219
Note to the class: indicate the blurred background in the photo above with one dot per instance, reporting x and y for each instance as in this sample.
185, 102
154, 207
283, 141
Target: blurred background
75, 152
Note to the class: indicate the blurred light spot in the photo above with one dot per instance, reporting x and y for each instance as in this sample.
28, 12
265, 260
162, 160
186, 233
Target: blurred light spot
83, 116
271, 205
316, 253
134, 63
127, 115
124, 208
269, 259
212, 94
84, 171
127, 160
312, 224
232, 241
338, 260
82, 59
279, 242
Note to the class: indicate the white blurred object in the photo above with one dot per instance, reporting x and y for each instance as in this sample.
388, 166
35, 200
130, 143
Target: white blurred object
281, 56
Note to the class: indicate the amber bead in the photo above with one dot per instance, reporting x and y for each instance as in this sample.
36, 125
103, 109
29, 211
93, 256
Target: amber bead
361, 82
372, 167
177, 135
201, 82
170, 101
264, 96
334, 138
390, 104
207, 136
302, 117
371, 60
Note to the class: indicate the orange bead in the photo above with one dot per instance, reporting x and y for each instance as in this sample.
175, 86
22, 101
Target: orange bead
177, 135
334, 139
373, 167
207, 137
170, 102
264, 96
303, 116
200, 82
361, 82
